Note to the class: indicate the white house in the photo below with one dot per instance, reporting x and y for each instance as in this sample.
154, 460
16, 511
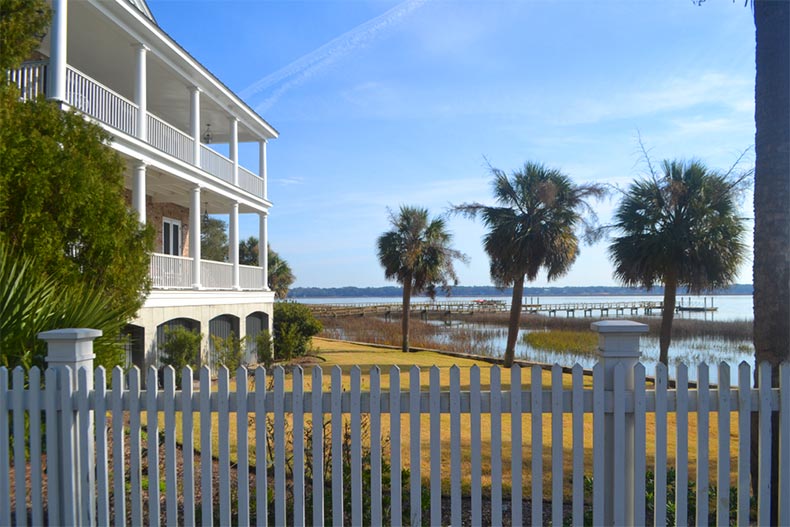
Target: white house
170, 118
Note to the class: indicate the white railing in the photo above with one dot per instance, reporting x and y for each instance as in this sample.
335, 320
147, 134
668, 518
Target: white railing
171, 272
216, 275
216, 164
169, 139
30, 79
94, 99
250, 277
454, 436
250, 182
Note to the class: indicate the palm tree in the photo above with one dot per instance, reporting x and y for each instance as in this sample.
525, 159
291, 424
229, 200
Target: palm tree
280, 274
417, 254
679, 228
532, 228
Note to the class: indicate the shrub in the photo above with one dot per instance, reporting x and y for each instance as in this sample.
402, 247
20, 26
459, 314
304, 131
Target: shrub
294, 325
228, 350
180, 348
264, 348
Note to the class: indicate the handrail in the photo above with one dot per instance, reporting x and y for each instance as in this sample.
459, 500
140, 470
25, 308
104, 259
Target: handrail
169, 139
93, 98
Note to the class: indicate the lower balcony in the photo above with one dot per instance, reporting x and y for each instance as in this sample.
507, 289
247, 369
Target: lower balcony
175, 272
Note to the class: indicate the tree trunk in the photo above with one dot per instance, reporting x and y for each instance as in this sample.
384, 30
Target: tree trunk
771, 203
667, 316
515, 318
406, 314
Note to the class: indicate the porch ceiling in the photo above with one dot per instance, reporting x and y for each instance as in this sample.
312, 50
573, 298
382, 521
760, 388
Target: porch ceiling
102, 50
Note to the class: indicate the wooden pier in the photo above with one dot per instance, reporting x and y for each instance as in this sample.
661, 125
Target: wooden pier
448, 308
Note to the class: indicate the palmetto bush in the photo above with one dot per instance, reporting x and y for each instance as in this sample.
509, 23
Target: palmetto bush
32, 302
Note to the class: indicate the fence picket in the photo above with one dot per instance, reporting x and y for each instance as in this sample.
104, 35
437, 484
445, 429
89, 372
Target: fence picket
434, 404
537, 446
243, 448
100, 424
5, 468
577, 406
784, 444
206, 463
455, 444
118, 451
681, 445
660, 467
298, 444
703, 431
337, 448
475, 431
318, 445
557, 477
764, 438
618, 470
261, 481
395, 440
67, 433
516, 455
744, 441
36, 483
415, 478
637, 475
188, 446
53, 446
280, 501
356, 447
152, 429
135, 455
171, 468
723, 462
598, 444
376, 517
496, 446
223, 424
18, 405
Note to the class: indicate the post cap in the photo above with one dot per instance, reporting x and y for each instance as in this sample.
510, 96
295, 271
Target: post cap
70, 334
619, 326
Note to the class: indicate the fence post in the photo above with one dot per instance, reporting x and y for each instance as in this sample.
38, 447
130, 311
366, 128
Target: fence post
618, 342
73, 348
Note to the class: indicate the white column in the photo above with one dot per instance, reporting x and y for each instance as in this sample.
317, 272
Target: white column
618, 342
263, 243
58, 50
138, 191
234, 148
141, 91
73, 347
262, 167
234, 244
194, 236
194, 122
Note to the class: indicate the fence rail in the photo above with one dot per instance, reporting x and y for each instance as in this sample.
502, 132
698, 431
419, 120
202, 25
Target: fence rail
30, 79
274, 492
171, 272
216, 164
251, 182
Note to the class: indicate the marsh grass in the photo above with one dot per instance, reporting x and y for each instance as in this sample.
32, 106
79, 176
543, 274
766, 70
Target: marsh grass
562, 341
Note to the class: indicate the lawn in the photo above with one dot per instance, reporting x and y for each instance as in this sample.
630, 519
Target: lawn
329, 354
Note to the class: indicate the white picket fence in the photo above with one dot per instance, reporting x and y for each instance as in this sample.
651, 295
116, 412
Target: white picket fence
88, 482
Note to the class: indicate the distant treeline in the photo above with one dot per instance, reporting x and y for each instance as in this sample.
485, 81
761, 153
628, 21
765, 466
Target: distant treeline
488, 291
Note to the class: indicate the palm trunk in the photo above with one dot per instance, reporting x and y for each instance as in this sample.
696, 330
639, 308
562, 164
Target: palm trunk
406, 314
667, 316
515, 319
771, 208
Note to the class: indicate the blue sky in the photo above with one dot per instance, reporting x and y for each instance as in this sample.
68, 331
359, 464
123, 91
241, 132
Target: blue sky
382, 103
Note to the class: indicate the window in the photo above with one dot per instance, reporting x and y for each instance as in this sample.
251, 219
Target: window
171, 237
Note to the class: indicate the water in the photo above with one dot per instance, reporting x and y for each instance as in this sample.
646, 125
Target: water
728, 307
712, 351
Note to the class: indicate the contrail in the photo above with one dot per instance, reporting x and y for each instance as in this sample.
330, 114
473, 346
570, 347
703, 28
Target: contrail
308, 65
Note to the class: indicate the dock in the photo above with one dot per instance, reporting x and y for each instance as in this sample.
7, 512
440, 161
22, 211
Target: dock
465, 307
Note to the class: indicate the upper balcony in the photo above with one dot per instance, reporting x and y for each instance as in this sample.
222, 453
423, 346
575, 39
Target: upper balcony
96, 100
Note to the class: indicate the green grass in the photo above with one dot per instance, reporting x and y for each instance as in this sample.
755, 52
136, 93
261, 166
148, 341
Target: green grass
563, 341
